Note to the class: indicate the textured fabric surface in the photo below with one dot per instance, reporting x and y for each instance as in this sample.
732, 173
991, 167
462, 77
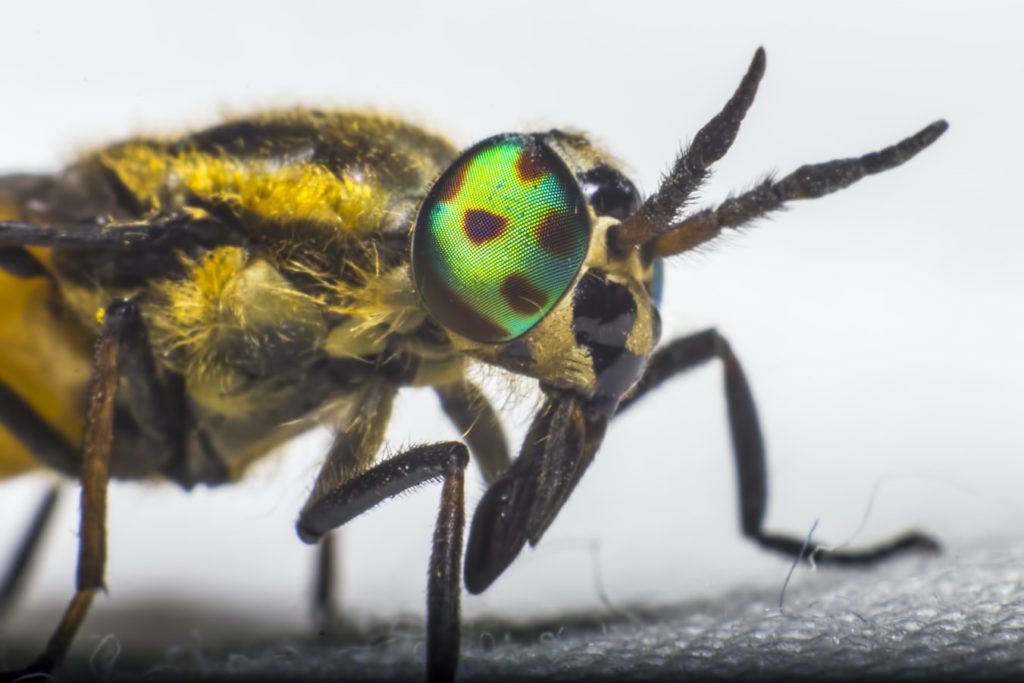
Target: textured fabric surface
953, 616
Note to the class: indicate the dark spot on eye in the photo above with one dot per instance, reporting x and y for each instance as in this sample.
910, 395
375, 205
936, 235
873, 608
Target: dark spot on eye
522, 296
454, 184
455, 313
483, 226
530, 165
554, 236
610, 192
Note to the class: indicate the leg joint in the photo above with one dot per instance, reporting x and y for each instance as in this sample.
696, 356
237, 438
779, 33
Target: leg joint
393, 476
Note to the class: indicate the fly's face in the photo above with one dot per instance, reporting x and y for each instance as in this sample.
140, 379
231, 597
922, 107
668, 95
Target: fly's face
510, 255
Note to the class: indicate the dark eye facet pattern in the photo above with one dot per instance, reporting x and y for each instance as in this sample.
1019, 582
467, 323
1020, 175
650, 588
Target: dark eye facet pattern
499, 239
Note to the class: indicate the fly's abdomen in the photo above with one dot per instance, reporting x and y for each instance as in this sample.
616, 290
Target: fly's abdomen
44, 356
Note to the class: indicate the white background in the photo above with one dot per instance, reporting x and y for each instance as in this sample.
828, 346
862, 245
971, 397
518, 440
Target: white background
881, 328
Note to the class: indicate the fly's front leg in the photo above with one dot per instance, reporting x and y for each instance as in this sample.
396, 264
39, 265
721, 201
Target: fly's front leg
748, 450
325, 584
96, 439
475, 417
351, 454
329, 508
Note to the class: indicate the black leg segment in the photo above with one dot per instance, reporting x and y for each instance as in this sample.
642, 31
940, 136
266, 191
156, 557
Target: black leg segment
444, 582
352, 498
27, 548
162, 233
749, 452
325, 584
447, 461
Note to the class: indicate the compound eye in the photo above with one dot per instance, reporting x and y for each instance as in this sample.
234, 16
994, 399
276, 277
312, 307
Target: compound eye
499, 239
610, 192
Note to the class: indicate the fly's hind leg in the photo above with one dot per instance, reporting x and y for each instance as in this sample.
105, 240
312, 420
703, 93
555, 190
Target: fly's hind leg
343, 493
748, 448
96, 440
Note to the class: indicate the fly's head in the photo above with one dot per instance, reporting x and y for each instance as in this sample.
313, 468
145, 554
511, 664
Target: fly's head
511, 255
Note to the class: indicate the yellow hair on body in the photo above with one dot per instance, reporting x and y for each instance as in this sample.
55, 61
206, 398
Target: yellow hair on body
228, 304
276, 192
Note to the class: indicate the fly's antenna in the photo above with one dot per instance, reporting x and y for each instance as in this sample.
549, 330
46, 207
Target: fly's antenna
658, 213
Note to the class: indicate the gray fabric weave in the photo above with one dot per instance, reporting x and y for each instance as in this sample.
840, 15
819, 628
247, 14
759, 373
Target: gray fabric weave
949, 616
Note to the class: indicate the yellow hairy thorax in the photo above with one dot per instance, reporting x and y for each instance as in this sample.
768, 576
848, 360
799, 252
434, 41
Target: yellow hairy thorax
276, 192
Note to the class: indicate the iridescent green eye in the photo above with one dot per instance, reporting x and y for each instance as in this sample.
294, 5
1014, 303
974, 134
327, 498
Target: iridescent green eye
499, 239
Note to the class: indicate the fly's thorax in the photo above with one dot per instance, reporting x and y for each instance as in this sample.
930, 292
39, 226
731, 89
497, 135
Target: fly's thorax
350, 173
234, 326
